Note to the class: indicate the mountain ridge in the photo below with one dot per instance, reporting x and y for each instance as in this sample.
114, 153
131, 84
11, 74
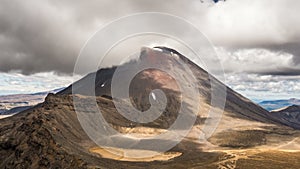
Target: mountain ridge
50, 135
277, 104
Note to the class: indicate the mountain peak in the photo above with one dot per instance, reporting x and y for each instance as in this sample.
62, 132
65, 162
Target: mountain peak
52, 129
167, 50
160, 55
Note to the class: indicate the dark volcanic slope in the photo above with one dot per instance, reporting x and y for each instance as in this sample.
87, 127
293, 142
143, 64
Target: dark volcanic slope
289, 115
49, 135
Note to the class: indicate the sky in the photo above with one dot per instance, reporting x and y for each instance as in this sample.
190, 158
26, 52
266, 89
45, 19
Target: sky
257, 41
18, 83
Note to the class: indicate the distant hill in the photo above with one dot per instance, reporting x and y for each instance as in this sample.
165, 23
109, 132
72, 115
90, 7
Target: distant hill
278, 104
290, 114
12, 104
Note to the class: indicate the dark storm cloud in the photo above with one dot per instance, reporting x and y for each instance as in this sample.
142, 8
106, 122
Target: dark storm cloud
35, 37
40, 36
282, 72
293, 68
293, 48
46, 35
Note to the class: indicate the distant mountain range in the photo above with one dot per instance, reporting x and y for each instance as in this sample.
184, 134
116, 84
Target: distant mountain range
12, 104
278, 104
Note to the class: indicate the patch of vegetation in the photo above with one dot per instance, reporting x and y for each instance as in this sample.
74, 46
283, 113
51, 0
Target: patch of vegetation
239, 139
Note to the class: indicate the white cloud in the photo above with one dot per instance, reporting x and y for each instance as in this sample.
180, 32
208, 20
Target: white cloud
252, 22
17, 83
265, 87
256, 60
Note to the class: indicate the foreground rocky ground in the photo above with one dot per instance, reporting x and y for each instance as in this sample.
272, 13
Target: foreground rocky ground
50, 136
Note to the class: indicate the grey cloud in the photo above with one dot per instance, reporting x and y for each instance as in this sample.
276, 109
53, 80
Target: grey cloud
47, 35
293, 48
262, 61
37, 37
40, 36
281, 72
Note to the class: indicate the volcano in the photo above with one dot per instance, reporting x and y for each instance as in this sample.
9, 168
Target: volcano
50, 135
